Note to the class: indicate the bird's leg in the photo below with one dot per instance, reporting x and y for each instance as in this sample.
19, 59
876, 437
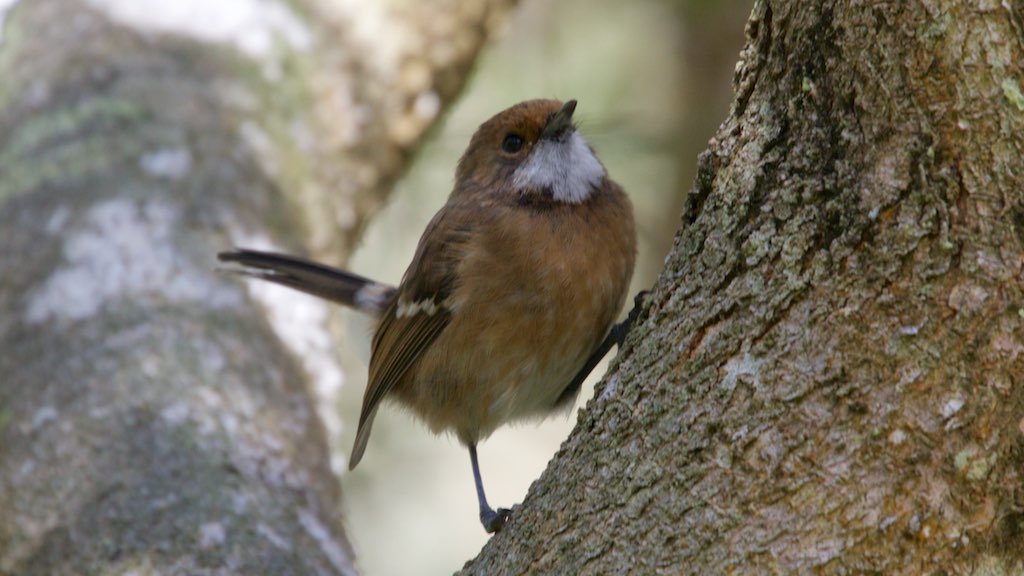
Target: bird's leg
620, 330
615, 337
492, 519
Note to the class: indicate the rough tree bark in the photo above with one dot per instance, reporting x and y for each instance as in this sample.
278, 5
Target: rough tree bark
150, 418
830, 374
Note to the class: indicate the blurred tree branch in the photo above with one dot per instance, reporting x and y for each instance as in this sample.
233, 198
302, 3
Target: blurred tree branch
150, 419
828, 378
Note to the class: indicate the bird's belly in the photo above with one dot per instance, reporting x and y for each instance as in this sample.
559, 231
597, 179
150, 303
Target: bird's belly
503, 361
536, 295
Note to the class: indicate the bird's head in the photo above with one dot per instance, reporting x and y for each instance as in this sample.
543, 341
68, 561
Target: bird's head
531, 149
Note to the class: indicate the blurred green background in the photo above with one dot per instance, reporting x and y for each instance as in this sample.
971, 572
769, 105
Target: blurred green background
653, 80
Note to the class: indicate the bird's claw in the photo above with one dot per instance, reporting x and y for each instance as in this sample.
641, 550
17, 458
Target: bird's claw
494, 520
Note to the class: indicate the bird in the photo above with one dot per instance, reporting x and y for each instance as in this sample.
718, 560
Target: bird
512, 294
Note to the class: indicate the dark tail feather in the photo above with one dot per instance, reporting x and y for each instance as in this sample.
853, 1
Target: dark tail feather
306, 276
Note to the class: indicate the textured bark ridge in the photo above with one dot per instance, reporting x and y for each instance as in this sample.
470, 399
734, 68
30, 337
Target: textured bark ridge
151, 421
830, 376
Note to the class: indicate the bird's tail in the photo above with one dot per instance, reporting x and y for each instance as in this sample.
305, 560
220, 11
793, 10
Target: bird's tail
312, 278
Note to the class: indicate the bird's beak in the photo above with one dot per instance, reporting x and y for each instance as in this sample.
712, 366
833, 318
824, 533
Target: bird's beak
560, 121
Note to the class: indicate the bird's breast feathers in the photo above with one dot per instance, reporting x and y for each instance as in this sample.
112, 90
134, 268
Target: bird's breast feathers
533, 299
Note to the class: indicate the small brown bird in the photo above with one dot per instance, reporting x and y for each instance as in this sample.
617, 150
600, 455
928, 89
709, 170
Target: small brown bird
510, 299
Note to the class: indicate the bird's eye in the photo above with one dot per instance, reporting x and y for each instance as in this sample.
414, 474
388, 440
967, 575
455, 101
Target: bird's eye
512, 143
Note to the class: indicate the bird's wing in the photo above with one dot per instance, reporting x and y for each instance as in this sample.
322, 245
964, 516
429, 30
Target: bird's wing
418, 314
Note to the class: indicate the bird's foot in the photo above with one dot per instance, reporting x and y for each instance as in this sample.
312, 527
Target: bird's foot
494, 520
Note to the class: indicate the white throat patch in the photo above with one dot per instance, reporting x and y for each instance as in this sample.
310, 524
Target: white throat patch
569, 168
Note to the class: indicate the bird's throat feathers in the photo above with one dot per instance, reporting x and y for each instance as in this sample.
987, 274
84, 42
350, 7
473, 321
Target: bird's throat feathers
566, 166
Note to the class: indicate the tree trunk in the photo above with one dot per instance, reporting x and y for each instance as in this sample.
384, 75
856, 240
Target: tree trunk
829, 376
151, 419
